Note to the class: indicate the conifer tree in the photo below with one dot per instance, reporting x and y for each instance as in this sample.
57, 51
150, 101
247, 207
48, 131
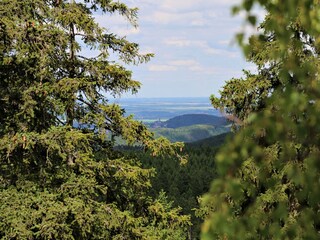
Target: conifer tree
268, 184
60, 177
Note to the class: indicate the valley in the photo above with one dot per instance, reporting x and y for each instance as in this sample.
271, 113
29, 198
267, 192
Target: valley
178, 119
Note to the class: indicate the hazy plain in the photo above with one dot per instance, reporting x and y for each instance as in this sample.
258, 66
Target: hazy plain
155, 109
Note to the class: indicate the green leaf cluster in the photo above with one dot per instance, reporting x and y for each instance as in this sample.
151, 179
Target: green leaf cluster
268, 184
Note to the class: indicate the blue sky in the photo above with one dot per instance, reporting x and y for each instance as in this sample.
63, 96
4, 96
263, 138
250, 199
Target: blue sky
192, 43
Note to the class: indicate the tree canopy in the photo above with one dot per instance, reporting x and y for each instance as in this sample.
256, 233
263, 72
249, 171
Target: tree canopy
60, 177
268, 184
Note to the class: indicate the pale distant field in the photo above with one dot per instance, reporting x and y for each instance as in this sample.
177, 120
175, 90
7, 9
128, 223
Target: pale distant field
154, 109
152, 120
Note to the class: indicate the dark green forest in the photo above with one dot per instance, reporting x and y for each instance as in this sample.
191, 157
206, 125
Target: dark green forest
63, 175
183, 182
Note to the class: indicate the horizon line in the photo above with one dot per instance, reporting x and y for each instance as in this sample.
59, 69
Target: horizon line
208, 97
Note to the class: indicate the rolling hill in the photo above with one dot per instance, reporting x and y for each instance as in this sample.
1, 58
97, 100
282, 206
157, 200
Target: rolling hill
211, 141
195, 119
189, 120
190, 133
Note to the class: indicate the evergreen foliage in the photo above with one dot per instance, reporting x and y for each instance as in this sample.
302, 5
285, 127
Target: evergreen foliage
58, 179
184, 183
268, 184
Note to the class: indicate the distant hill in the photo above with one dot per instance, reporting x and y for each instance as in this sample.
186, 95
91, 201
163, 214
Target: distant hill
190, 133
191, 119
211, 141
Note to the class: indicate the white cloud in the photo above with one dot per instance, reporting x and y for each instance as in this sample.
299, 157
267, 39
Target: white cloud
175, 5
146, 50
161, 68
116, 24
221, 52
203, 45
191, 41
193, 66
184, 63
226, 42
178, 4
107, 20
198, 23
127, 31
181, 42
178, 18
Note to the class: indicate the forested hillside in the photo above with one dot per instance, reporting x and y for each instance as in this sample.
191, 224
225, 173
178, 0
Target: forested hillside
189, 134
195, 119
214, 142
190, 127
